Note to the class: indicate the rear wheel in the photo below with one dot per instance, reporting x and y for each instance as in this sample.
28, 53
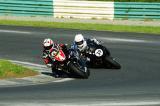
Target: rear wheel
76, 70
111, 63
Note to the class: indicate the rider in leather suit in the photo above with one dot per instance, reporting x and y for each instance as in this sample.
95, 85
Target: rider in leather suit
50, 51
81, 44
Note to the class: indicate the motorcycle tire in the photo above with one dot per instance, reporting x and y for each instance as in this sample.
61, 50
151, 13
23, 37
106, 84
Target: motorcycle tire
59, 73
111, 63
79, 72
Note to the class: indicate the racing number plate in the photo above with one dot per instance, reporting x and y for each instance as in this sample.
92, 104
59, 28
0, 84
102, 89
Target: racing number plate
98, 52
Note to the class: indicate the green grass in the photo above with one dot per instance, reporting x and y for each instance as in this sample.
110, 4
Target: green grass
85, 26
10, 70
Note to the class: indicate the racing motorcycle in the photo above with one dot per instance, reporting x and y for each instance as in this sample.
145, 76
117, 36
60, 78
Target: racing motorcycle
98, 56
71, 64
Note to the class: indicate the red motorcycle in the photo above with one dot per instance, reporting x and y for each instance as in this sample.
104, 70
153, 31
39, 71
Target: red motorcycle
71, 63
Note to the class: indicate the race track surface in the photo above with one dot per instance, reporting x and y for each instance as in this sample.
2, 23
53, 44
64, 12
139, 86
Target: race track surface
137, 83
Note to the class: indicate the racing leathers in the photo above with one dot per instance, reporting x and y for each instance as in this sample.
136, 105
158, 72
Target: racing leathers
84, 53
49, 59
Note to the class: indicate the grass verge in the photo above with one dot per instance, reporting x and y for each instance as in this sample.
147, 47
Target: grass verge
85, 26
10, 70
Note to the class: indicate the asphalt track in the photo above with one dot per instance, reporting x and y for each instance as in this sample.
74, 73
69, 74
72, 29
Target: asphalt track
137, 83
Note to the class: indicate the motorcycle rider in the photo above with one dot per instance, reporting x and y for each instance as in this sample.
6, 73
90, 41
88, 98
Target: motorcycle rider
85, 47
50, 50
82, 43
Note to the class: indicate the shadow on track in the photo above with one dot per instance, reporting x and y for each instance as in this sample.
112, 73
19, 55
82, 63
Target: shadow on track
60, 75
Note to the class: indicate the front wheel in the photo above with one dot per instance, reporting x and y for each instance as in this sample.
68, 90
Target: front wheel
76, 70
111, 63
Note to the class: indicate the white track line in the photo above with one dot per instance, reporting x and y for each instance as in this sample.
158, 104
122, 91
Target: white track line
94, 103
28, 63
102, 38
122, 40
13, 31
64, 80
127, 103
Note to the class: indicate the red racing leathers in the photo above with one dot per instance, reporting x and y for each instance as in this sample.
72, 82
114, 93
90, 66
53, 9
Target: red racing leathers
49, 59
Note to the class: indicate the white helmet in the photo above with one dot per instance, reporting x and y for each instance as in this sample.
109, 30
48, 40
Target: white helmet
48, 43
80, 42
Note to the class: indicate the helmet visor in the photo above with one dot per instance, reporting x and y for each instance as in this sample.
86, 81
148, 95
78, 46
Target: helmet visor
79, 43
48, 47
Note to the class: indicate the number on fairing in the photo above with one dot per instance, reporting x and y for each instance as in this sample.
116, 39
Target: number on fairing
98, 52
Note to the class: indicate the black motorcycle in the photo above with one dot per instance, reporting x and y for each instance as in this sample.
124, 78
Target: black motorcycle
98, 56
71, 64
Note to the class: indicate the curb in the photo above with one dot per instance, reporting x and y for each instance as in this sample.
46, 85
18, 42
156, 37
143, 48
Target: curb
44, 77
